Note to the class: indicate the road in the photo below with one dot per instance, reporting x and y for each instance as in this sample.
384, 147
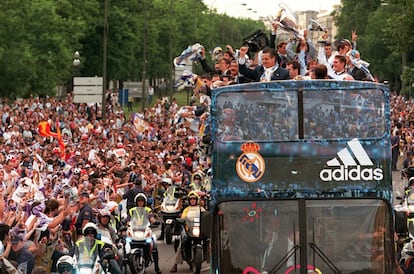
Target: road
167, 259
398, 184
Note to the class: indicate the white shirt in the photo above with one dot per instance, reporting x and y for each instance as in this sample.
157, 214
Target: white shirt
267, 74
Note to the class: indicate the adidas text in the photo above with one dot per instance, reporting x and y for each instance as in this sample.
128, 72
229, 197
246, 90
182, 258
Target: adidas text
353, 174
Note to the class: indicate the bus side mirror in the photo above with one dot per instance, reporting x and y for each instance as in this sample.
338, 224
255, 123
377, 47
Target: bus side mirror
205, 225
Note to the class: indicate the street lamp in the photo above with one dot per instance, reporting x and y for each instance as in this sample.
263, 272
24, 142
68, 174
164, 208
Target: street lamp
104, 60
144, 63
76, 67
76, 59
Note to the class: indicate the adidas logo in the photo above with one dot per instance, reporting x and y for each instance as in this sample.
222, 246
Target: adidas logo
351, 164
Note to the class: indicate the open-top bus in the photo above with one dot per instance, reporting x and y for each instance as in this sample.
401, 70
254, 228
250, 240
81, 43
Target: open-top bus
301, 178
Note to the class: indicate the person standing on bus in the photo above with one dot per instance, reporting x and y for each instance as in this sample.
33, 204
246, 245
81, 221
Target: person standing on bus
294, 69
268, 71
395, 149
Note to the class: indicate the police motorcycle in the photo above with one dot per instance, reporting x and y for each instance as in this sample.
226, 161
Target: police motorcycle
137, 243
171, 210
92, 255
194, 237
405, 210
406, 254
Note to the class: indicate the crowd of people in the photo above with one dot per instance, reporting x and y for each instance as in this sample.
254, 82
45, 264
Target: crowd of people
50, 189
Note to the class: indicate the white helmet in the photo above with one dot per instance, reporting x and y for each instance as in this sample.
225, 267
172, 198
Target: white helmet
89, 227
64, 262
140, 196
167, 181
104, 212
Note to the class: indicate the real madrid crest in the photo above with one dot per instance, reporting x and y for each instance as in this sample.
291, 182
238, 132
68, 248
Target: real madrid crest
250, 165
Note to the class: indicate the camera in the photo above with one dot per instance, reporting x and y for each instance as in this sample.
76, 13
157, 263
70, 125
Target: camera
256, 41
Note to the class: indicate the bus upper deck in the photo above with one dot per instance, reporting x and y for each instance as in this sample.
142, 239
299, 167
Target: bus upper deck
316, 138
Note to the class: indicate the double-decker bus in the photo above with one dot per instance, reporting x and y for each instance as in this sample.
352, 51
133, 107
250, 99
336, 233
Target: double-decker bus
301, 178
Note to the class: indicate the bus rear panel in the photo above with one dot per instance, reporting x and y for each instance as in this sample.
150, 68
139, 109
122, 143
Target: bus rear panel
302, 177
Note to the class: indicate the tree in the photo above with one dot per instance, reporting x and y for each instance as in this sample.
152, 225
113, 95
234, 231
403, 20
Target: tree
38, 39
37, 43
385, 29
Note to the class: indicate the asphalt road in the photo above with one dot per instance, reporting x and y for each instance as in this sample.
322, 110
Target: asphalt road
398, 185
167, 259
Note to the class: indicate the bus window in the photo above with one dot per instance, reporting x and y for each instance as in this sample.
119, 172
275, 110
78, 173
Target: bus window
257, 116
332, 114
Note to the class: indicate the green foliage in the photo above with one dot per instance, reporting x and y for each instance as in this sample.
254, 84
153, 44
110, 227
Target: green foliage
38, 39
385, 35
408, 75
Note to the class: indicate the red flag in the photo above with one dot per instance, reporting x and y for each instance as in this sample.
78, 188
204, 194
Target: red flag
60, 142
44, 130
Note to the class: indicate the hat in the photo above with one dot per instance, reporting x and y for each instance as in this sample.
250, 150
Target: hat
77, 153
17, 235
16, 238
346, 41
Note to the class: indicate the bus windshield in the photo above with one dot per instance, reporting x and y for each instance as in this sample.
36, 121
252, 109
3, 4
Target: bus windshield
334, 244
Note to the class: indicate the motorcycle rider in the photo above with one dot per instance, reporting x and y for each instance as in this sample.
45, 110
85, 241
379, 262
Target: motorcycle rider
141, 201
197, 181
89, 241
65, 265
104, 225
193, 202
167, 183
115, 221
408, 189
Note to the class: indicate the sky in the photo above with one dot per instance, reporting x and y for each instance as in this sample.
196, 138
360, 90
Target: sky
267, 8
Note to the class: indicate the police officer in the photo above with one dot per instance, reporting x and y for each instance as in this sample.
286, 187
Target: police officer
85, 213
141, 201
89, 247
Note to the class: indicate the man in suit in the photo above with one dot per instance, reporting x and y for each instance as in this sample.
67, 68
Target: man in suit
269, 70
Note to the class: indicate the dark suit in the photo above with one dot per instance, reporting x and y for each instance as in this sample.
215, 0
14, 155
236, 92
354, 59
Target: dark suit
257, 72
282, 59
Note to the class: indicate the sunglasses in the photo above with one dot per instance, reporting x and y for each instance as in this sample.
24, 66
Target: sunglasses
65, 269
